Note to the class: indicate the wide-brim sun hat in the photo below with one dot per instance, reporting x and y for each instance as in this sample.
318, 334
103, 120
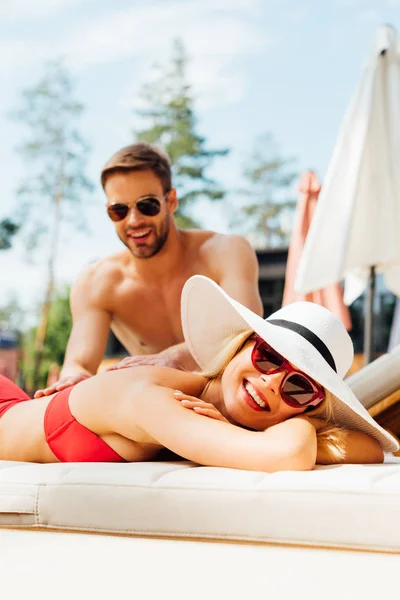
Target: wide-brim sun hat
308, 335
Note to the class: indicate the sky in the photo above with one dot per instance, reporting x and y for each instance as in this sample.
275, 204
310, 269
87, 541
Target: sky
286, 67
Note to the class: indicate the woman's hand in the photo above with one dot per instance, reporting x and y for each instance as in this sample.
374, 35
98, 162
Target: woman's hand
199, 406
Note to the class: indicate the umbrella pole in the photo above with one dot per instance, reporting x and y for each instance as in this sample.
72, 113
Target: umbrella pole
368, 317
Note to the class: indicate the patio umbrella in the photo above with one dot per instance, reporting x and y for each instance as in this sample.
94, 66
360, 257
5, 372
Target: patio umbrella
355, 231
331, 296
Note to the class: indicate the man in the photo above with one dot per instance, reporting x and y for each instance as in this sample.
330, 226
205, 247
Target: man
137, 292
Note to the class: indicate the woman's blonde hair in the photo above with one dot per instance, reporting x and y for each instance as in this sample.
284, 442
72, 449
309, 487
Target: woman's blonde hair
331, 439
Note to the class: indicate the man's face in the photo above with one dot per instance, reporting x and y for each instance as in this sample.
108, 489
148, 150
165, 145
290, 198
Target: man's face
143, 235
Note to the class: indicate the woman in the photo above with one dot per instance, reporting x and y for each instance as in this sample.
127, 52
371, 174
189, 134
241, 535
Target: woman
270, 389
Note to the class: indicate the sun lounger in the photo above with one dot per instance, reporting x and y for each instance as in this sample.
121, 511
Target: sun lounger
377, 386
173, 529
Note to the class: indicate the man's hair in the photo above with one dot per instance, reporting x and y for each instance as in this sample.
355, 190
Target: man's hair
139, 157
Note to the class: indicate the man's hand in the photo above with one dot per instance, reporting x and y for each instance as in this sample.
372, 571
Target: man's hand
176, 357
142, 360
62, 383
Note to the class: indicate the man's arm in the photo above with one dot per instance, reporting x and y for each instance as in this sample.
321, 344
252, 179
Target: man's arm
89, 334
177, 357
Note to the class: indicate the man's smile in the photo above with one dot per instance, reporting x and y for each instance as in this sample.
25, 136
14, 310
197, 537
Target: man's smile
140, 234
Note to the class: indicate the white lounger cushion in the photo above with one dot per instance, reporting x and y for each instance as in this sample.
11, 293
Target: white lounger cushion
347, 506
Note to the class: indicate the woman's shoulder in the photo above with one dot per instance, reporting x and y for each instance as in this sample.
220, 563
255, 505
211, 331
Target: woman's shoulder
186, 381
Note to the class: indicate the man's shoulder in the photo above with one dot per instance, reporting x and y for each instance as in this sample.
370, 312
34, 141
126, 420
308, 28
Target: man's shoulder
214, 242
221, 245
103, 273
225, 254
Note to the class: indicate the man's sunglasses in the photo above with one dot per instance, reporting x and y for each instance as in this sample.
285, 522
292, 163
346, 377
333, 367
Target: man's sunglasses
296, 389
150, 206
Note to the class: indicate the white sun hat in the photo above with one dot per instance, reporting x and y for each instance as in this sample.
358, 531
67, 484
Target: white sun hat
306, 334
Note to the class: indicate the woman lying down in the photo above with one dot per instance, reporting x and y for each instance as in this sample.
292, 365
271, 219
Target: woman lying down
270, 397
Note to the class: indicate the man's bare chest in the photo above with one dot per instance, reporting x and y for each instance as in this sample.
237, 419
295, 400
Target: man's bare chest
146, 316
150, 315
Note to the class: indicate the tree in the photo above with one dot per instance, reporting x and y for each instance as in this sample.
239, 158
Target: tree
266, 201
55, 155
58, 330
8, 228
172, 126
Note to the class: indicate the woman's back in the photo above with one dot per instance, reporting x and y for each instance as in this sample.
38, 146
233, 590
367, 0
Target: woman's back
93, 404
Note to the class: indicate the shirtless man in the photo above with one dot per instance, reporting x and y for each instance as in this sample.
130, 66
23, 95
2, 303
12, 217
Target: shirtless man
137, 292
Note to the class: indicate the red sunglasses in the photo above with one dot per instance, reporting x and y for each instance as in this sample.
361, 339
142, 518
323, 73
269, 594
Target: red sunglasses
296, 389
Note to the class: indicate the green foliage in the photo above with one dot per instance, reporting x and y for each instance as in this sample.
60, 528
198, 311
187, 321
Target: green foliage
184, 221
266, 202
8, 228
59, 327
58, 330
172, 126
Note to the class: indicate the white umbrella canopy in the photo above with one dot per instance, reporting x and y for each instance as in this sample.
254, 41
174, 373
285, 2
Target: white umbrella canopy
356, 225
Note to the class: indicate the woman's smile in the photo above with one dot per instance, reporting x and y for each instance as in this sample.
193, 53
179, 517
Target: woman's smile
250, 398
254, 398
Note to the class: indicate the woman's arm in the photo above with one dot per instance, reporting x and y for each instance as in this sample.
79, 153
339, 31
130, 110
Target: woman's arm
288, 446
137, 401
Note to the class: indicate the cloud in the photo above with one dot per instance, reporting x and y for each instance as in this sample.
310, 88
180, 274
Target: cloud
215, 34
37, 9
17, 55
147, 30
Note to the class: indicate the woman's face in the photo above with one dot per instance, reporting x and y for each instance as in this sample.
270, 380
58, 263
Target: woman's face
251, 398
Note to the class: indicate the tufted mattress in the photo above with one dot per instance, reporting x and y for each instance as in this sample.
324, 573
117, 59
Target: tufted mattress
178, 530
347, 506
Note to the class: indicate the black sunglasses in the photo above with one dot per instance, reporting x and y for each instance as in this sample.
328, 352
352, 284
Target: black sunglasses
150, 206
